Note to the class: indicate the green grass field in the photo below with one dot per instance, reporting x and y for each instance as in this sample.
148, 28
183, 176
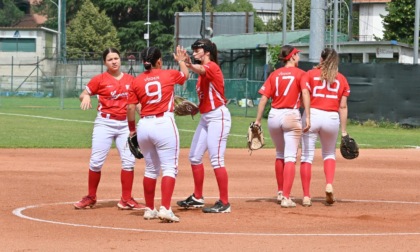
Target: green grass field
27, 122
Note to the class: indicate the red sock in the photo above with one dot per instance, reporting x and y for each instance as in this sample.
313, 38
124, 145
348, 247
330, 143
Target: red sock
329, 170
149, 187
222, 182
289, 176
198, 174
305, 177
167, 189
279, 168
127, 178
93, 182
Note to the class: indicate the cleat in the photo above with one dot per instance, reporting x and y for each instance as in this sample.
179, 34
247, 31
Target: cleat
329, 196
218, 207
130, 204
87, 201
150, 214
306, 202
191, 201
167, 215
287, 203
279, 197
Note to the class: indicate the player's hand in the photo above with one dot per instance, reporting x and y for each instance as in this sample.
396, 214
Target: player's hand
308, 125
86, 104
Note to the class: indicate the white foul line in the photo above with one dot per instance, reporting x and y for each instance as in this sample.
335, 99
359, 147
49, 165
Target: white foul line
19, 212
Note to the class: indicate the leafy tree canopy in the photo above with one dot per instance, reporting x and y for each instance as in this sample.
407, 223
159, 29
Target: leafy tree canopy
302, 17
90, 31
9, 13
399, 23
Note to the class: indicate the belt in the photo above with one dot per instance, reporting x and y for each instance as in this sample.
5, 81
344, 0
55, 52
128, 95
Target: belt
153, 116
114, 117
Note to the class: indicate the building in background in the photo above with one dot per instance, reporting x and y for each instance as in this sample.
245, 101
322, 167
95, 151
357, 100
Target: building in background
370, 21
266, 9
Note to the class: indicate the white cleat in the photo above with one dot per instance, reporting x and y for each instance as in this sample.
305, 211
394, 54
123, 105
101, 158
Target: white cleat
329, 196
167, 215
279, 197
150, 214
287, 203
306, 202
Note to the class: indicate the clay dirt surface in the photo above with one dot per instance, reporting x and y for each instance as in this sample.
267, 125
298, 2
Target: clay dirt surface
377, 208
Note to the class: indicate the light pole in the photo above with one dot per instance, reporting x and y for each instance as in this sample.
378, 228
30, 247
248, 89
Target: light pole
59, 28
146, 35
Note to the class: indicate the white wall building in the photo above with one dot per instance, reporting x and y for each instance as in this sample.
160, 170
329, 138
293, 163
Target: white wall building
370, 21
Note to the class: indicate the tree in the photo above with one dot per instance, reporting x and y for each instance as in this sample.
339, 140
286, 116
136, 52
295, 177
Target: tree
301, 17
90, 32
9, 13
399, 23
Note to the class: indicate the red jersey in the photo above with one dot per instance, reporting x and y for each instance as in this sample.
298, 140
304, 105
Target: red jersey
325, 96
154, 90
283, 87
112, 93
211, 88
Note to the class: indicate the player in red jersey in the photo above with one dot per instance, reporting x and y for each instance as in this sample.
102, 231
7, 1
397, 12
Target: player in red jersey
213, 129
111, 88
157, 132
329, 91
284, 119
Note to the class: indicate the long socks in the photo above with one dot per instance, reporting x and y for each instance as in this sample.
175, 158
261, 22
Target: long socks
198, 174
149, 187
305, 177
279, 168
127, 178
93, 182
167, 189
222, 182
288, 177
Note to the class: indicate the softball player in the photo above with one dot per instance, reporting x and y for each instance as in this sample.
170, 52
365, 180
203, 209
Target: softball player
329, 91
213, 129
111, 88
284, 120
157, 132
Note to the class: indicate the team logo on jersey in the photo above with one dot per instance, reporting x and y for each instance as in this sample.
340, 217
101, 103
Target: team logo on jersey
115, 96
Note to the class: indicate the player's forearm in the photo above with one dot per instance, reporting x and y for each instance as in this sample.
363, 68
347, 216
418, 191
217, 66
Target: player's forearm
196, 68
343, 111
261, 107
131, 112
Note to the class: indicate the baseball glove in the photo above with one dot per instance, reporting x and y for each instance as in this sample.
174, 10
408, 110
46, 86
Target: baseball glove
184, 107
255, 137
348, 147
134, 146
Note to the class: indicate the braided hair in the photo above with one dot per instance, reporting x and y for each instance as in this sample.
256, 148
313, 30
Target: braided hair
329, 65
207, 46
150, 56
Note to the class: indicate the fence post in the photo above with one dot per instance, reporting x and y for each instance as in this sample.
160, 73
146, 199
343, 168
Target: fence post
246, 97
61, 93
11, 80
37, 74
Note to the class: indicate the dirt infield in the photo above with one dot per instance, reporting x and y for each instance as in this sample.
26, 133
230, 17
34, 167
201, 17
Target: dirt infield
378, 206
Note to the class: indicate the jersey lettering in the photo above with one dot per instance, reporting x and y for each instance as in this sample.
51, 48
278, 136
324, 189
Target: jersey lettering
318, 90
291, 80
157, 93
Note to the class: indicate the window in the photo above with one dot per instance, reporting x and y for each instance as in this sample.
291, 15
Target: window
17, 45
